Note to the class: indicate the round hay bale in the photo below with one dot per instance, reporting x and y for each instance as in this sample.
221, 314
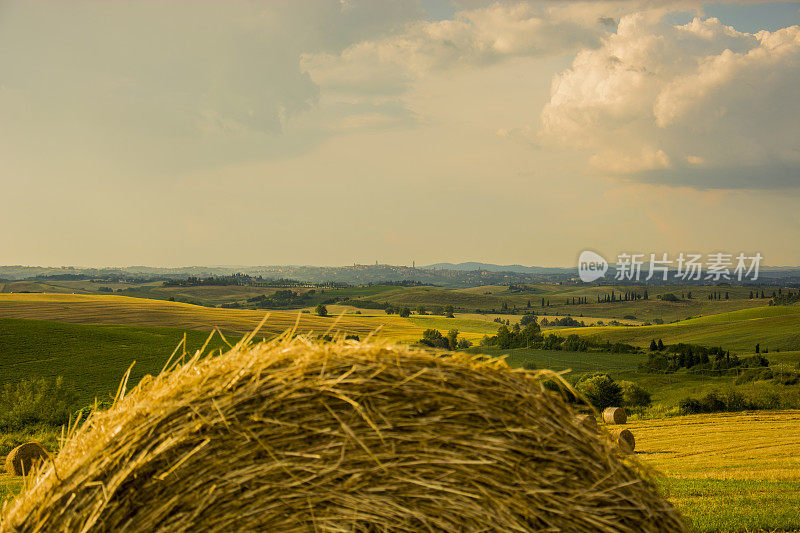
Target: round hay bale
614, 415
22, 459
295, 436
587, 421
624, 439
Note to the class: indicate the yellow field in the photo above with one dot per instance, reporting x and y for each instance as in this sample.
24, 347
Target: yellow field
762, 445
728, 472
588, 320
123, 310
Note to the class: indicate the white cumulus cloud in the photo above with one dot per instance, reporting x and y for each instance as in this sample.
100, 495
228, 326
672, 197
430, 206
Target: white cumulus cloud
699, 104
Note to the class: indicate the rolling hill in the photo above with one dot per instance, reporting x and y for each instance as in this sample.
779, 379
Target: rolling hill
773, 328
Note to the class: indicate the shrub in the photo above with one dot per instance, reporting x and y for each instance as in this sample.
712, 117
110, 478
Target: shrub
754, 361
754, 374
36, 401
600, 390
434, 339
733, 400
785, 375
634, 396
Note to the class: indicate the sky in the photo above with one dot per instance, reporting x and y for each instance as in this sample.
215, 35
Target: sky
333, 132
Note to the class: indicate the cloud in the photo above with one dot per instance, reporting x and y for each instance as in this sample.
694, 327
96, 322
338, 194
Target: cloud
700, 104
168, 85
381, 70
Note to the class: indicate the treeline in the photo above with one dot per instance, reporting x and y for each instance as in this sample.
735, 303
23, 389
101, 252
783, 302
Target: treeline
627, 296
433, 338
404, 311
718, 296
565, 321
403, 283
667, 359
281, 299
784, 299
248, 281
529, 335
734, 401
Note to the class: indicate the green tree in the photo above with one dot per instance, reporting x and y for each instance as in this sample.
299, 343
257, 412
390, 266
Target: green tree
405, 312
600, 390
421, 310
434, 339
653, 345
452, 338
504, 338
634, 396
448, 311
322, 310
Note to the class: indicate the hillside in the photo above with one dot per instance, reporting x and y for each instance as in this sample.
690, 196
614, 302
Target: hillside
124, 310
92, 358
774, 328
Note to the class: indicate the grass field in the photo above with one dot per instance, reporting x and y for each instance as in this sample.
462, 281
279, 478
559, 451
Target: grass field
91, 340
203, 294
728, 472
494, 296
485, 298
771, 327
92, 357
124, 310
560, 360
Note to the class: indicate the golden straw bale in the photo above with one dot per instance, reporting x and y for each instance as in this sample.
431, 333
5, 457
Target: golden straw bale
587, 421
624, 439
21, 460
297, 436
614, 415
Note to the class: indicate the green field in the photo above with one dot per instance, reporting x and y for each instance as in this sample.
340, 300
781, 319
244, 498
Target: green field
209, 295
736, 504
93, 357
774, 328
125, 310
728, 472
560, 360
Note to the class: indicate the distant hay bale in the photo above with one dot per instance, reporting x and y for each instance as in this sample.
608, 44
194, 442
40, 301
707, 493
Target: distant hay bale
22, 459
295, 436
587, 421
614, 415
624, 439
